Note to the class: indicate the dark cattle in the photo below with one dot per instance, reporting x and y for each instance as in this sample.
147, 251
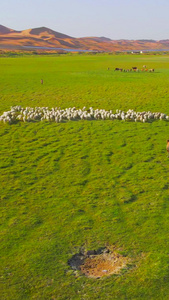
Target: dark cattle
134, 68
118, 69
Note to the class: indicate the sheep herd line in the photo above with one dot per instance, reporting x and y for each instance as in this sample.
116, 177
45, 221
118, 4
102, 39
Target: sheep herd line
29, 114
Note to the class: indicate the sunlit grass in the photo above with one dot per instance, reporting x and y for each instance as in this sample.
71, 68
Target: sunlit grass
84, 184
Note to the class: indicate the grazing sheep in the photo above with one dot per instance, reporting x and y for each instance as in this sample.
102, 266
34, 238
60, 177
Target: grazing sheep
29, 114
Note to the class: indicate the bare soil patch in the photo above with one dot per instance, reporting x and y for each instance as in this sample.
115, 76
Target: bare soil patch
96, 264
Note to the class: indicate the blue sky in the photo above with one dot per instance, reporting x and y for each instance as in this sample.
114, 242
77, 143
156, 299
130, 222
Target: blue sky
116, 19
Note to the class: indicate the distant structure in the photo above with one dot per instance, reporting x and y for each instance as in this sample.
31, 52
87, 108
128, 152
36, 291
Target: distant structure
137, 52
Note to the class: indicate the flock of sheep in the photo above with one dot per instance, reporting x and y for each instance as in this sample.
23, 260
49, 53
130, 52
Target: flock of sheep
29, 114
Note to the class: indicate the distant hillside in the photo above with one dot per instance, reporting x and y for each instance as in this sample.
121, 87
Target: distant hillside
99, 39
5, 30
45, 37
47, 31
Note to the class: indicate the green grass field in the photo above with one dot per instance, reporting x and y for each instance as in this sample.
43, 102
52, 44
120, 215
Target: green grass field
84, 184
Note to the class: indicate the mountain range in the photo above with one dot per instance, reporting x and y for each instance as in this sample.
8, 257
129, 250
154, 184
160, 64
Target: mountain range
48, 38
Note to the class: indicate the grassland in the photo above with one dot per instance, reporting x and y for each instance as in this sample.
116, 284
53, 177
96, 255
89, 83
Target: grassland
84, 184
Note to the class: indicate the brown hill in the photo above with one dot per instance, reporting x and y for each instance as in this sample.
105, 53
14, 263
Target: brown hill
6, 30
48, 38
48, 32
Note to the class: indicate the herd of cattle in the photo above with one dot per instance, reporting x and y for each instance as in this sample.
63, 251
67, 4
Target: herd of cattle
135, 69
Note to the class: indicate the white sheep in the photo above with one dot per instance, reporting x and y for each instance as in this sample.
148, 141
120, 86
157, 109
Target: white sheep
71, 113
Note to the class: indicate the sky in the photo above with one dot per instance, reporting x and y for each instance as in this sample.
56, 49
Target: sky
115, 19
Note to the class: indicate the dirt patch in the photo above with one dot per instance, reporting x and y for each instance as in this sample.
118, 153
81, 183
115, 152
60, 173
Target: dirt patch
96, 264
